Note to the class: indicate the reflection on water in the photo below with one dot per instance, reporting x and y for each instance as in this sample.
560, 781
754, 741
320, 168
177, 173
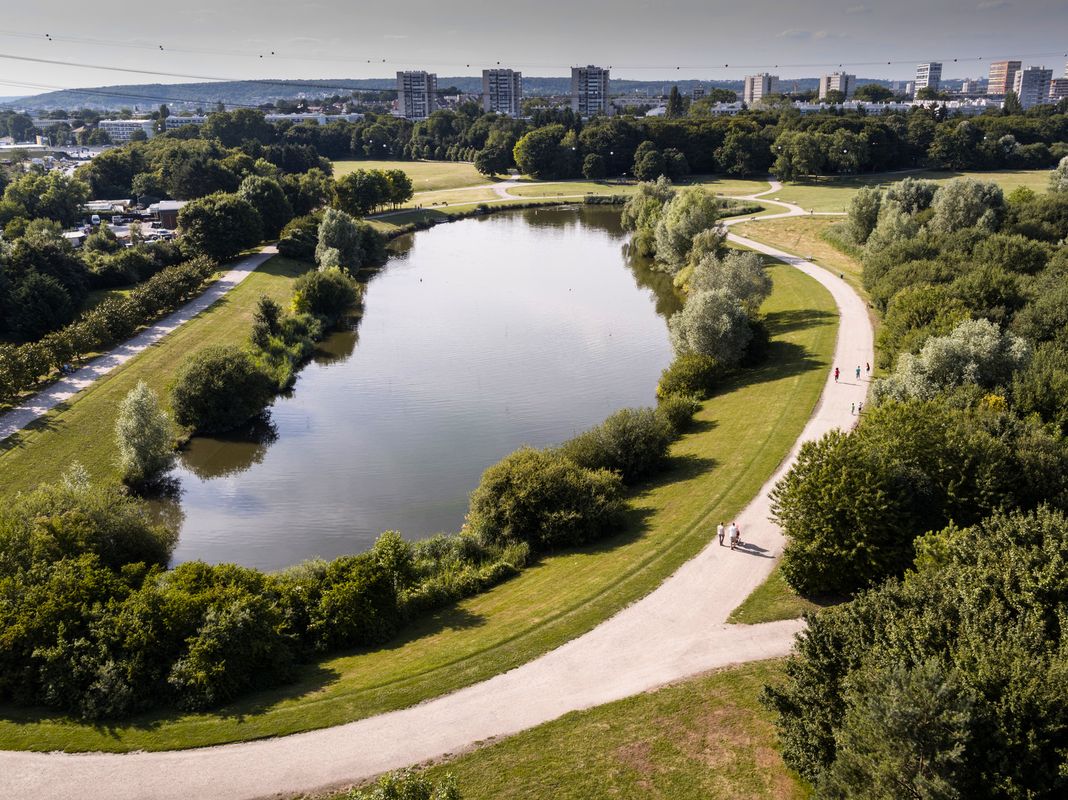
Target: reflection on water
477, 337
232, 452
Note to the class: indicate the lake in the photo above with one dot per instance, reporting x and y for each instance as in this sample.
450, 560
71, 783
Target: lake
477, 337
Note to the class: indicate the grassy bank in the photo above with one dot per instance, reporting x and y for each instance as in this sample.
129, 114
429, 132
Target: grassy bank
426, 176
708, 737
803, 236
728, 186
742, 434
835, 194
81, 429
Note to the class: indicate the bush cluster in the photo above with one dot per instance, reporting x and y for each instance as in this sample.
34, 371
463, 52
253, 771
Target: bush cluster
96, 627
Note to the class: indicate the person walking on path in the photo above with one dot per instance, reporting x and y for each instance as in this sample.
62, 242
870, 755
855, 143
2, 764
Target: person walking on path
836, 374
858, 372
732, 531
860, 407
719, 532
852, 408
867, 368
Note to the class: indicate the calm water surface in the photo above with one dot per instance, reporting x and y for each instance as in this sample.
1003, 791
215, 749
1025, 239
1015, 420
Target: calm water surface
477, 337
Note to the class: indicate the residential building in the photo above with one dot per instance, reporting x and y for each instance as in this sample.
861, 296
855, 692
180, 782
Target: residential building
1058, 89
838, 82
756, 87
1033, 85
416, 94
929, 75
502, 91
1002, 78
910, 89
589, 90
323, 119
698, 92
120, 130
973, 87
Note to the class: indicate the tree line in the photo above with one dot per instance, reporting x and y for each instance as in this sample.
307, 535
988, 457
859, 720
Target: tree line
943, 513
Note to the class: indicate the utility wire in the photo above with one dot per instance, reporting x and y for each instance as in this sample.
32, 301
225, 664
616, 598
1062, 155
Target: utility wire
269, 54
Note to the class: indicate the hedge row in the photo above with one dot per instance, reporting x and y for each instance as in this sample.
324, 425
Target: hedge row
116, 318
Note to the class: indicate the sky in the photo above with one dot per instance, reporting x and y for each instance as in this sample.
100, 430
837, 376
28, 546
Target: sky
638, 39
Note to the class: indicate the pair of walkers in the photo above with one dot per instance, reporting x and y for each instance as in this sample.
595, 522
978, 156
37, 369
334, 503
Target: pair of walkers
732, 531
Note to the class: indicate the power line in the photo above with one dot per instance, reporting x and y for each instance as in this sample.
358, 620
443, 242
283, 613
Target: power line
275, 54
188, 76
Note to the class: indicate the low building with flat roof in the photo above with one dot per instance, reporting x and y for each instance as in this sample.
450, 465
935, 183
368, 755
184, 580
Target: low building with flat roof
120, 130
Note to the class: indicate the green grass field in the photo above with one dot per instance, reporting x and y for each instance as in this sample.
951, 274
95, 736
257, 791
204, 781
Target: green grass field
834, 194
741, 436
771, 601
708, 737
802, 236
81, 429
426, 175
728, 186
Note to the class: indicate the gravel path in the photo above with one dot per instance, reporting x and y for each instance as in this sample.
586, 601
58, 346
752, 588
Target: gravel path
676, 631
65, 388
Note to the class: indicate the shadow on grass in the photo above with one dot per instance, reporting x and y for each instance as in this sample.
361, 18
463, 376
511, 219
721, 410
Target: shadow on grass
798, 319
48, 422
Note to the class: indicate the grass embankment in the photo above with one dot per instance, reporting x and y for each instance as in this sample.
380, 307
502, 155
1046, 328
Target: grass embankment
834, 194
741, 436
81, 429
708, 737
426, 175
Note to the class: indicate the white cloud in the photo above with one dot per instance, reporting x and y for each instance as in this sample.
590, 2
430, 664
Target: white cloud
861, 9
795, 34
990, 5
804, 36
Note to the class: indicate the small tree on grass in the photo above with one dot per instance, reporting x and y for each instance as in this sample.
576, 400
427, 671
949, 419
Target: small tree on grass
327, 293
143, 433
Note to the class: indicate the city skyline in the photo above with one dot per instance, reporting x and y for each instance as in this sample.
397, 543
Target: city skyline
639, 41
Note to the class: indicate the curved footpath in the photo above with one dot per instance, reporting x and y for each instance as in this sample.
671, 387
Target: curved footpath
65, 388
676, 631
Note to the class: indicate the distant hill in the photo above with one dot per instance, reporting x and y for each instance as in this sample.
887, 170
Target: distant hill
189, 96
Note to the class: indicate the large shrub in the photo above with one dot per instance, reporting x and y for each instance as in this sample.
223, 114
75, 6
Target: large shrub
546, 500
740, 274
220, 225
219, 388
633, 442
347, 243
690, 374
712, 323
299, 238
327, 293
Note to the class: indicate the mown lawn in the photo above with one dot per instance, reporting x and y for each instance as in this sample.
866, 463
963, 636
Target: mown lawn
426, 175
81, 429
834, 194
741, 436
771, 601
705, 738
802, 236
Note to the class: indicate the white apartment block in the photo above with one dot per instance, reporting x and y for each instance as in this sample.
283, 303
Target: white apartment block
120, 130
756, 87
1033, 86
1058, 89
838, 82
502, 91
589, 91
417, 93
929, 75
